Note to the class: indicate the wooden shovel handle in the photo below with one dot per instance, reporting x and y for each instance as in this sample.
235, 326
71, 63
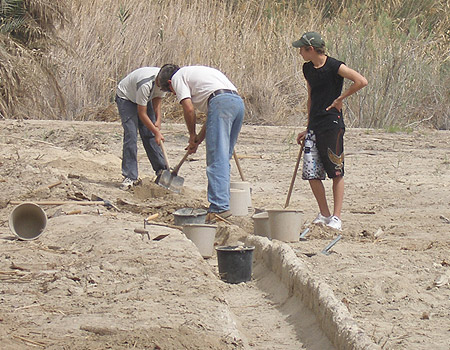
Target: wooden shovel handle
236, 160
175, 170
295, 174
165, 155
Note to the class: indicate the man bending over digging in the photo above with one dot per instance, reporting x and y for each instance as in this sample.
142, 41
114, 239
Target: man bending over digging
324, 137
208, 90
139, 105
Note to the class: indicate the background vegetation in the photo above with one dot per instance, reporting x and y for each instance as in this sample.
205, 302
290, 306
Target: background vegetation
401, 47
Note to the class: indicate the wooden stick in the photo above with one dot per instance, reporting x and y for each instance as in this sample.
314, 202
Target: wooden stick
295, 174
361, 212
74, 212
30, 341
247, 156
218, 217
54, 185
238, 165
165, 225
31, 140
152, 217
61, 202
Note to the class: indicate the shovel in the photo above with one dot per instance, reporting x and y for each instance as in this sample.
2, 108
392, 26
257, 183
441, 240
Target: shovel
295, 174
170, 179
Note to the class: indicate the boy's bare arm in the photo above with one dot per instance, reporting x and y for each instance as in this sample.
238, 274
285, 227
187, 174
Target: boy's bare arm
358, 83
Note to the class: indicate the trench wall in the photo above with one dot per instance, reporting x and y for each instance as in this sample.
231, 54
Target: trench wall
332, 315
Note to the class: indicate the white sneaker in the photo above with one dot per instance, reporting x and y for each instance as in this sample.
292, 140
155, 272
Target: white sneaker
321, 219
127, 183
335, 223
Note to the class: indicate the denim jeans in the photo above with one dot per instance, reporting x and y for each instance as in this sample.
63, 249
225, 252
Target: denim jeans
223, 124
131, 124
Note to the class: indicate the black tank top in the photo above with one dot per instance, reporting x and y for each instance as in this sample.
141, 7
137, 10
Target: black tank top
326, 85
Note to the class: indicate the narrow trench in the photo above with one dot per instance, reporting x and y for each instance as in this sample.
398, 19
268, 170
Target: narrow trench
268, 318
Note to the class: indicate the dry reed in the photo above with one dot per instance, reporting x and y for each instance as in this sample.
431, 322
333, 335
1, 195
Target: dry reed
402, 47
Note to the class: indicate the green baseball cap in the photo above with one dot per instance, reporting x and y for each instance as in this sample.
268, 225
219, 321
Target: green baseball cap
309, 39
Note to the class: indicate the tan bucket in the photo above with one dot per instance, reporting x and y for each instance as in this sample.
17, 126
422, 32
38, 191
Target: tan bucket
285, 224
238, 202
261, 225
203, 237
243, 185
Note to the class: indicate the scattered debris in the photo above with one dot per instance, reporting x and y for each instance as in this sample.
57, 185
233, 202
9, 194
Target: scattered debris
15, 267
54, 185
98, 330
73, 212
160, 237
378, 233
447, 221
425, 316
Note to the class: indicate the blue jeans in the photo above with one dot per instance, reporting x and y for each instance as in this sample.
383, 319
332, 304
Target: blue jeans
131, 124
223, 124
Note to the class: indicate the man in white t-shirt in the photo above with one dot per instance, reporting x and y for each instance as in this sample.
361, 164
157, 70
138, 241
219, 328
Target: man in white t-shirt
209, 91
139, 102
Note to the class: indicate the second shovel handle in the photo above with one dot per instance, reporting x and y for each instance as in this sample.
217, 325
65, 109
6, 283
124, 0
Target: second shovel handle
175, 170
236, 160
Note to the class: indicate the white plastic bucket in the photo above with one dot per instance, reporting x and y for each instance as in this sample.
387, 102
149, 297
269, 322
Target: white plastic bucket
238, 202
243, 185
27, 221
285, 224
261, 225
203, 237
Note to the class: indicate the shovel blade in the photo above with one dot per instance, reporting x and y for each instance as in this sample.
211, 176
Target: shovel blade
176, 183
165, 179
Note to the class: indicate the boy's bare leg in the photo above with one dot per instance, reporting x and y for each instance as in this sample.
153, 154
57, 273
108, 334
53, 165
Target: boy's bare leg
319, 192
338, 195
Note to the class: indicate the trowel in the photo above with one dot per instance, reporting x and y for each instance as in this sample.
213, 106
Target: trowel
170, 179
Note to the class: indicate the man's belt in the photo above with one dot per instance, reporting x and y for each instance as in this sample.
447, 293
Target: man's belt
222, 91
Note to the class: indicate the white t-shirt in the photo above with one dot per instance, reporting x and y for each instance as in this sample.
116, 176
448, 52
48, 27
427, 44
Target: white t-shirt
197, 83
139, 87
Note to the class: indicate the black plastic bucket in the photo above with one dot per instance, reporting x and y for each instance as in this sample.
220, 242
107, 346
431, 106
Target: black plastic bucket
235, 263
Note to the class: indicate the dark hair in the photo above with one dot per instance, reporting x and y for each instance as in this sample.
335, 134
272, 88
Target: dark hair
320, 50
165, 74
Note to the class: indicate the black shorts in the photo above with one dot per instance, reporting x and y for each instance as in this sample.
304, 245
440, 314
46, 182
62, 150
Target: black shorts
324, 152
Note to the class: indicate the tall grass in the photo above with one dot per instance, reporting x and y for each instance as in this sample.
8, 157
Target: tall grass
28, 82
402, 47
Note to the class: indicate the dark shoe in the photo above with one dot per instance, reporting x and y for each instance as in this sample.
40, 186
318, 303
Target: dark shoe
212, 217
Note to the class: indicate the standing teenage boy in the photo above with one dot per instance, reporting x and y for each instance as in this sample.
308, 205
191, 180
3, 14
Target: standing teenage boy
209, 91
139, 104
324, 136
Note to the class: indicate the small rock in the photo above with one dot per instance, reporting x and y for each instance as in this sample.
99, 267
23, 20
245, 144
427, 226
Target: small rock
441, 280
425, 316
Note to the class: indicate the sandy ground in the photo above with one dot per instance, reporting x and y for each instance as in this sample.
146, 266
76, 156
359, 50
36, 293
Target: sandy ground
91, 282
